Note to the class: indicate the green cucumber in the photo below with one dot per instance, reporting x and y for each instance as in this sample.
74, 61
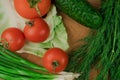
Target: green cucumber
81, 11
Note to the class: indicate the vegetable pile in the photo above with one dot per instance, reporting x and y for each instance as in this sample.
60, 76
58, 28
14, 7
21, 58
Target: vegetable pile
13, 67
33, 26
57, 36
34, 23
101, 51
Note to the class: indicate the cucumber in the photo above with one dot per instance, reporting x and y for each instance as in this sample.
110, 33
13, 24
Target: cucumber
81, 11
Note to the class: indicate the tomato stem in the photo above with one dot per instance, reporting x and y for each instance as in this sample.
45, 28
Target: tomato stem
38, 10
29, 23
55, 65
33, 3
4, 43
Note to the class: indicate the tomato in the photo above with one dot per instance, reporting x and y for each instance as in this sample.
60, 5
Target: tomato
36, 30
23, 8
13, 39
55, 60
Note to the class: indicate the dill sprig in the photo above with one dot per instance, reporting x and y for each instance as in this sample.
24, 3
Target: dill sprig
101, 51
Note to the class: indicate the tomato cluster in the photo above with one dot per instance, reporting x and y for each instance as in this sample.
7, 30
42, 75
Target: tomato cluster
36, 30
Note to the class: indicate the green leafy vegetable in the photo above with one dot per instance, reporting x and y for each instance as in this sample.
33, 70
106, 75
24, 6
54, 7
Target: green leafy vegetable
101, 51
3, 18
9, 17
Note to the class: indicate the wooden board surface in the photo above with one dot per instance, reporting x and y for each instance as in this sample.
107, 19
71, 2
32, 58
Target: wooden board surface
75, 32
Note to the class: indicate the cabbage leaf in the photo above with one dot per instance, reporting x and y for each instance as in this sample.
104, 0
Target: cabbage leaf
58, 34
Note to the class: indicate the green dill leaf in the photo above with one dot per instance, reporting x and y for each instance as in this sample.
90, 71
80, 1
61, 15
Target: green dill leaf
101, 51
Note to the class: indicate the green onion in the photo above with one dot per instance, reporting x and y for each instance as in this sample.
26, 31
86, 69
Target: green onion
15, 58
14, 66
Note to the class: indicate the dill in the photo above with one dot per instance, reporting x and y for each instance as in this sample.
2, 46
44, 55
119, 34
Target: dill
102, 50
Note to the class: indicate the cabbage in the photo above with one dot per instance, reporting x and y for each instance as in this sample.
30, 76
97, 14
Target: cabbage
4, 17
58, 34
8, 16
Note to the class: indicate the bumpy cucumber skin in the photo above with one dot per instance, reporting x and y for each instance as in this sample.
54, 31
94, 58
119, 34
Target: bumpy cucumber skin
81, 11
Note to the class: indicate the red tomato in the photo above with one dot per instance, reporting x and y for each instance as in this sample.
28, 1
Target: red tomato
23, 8
37, 30
14, 38
55, 60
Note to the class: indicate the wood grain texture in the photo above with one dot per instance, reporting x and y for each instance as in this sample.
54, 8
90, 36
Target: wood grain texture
75, 31
95, 3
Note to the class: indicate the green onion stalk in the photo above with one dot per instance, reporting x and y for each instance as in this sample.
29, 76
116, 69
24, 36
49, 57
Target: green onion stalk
14, 67
101, 51
17, 59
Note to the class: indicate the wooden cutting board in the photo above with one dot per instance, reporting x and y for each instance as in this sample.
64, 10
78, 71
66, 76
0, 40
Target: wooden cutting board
75, 32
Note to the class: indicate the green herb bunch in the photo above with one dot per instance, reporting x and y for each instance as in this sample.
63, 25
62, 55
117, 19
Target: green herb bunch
102, 51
